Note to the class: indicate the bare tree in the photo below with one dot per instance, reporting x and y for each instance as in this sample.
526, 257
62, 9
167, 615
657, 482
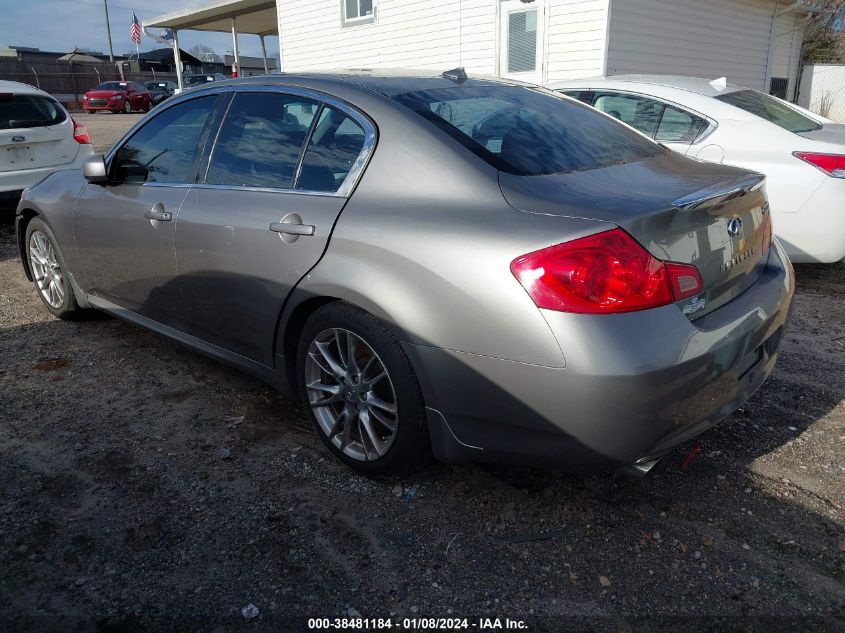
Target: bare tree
824, 36
206, 53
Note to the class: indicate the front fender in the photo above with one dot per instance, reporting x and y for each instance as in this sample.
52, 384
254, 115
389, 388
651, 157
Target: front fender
53, 200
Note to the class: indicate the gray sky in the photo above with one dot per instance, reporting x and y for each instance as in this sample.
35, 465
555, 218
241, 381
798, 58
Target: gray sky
60, 25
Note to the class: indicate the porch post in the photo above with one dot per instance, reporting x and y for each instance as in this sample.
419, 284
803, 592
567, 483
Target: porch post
237, 62
264, 55
177, 59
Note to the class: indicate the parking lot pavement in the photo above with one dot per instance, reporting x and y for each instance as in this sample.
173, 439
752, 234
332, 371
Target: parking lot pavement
106, 128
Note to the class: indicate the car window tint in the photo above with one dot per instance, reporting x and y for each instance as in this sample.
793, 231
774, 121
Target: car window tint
261, 140
678, 126
25, 111
529, 131
167, 148
770, 109
336, 142
640, 113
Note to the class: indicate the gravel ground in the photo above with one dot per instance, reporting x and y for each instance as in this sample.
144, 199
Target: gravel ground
144, 487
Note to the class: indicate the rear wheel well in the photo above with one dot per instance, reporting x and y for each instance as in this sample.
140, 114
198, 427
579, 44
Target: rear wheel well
293, 330
26, 216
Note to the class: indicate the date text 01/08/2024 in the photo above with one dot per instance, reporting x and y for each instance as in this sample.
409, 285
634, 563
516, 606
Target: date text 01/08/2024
419, 624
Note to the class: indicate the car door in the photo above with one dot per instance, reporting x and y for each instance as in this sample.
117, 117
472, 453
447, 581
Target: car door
125, 228
277, 178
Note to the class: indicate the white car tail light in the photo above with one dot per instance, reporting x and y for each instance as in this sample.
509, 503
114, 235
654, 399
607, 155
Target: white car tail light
831, 164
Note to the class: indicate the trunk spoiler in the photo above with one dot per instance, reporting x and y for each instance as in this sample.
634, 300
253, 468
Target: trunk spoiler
720, 192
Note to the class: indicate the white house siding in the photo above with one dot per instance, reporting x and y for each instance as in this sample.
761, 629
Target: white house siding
576, 38
434, 34
701, 38
823, 90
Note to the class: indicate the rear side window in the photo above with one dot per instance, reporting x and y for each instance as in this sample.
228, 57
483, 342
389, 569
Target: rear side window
261, 140
641, 113
335, 144
771, 110
679, 126
527, 131
167, 148
24, 111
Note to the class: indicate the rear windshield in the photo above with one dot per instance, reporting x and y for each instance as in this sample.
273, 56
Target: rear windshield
771, 110
21, 111
198, 79
526, 131
111, 85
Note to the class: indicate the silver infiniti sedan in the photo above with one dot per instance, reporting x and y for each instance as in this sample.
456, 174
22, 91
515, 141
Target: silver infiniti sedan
469, 268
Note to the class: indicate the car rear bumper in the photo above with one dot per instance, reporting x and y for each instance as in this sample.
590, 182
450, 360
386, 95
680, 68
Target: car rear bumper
816, 233
15, 181
634, 386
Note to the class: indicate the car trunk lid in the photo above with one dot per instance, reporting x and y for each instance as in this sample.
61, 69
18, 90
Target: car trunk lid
828, 133
711, 216
37, 147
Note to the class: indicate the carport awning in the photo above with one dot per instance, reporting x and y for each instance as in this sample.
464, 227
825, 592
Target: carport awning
254, 17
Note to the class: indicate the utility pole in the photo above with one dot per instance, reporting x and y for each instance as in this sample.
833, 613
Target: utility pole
108, 30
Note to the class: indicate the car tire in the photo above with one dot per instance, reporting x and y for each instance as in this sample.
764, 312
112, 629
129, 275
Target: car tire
353, 417
127, 107
49, 271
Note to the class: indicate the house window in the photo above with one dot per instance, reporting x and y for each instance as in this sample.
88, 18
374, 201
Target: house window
357, 12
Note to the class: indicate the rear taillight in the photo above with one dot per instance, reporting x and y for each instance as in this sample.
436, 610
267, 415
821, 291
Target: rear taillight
831, 164
80, 133
767, 232
603, 273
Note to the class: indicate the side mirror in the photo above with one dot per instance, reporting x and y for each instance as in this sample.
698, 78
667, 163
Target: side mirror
94, 170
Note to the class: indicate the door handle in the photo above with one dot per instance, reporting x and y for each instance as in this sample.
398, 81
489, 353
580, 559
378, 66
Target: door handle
158, 213
292, 229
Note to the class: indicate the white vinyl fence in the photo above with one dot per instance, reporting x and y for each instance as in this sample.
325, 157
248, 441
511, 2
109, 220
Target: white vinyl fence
822, 90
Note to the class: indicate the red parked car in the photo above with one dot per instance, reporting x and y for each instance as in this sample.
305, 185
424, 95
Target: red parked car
117, 96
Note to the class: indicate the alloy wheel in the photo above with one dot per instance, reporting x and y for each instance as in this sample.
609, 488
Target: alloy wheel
351, 394
46, 269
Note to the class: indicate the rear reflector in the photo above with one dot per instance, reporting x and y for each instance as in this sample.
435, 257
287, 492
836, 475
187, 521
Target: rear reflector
831, 164
604, 273
80, 133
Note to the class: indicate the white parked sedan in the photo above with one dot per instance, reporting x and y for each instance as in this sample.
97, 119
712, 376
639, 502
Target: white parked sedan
37, 137
801, 153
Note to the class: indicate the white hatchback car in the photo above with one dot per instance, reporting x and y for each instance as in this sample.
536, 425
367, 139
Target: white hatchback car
801, 153
37, 137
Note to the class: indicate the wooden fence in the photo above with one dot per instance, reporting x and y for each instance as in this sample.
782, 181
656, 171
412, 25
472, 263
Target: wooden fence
68, 81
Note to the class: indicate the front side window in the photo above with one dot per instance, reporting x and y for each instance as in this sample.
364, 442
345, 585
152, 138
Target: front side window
335, 144
261, 140
357, 11
167, 148
527, 131
641, 113
771, 110
25, 111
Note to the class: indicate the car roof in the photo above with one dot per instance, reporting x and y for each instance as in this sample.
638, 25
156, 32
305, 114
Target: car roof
19, 88
389, 82
698, 85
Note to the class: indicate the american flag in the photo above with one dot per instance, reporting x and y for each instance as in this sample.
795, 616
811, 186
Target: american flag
135, 30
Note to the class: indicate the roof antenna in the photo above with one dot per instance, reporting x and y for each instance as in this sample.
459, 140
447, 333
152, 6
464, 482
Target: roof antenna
719, 84
456, 74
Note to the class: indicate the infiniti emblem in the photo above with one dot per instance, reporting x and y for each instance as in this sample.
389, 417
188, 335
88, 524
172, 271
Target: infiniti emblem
18, 139
734, 226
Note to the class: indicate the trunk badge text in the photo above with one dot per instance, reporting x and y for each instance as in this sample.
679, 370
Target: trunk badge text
738, 259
